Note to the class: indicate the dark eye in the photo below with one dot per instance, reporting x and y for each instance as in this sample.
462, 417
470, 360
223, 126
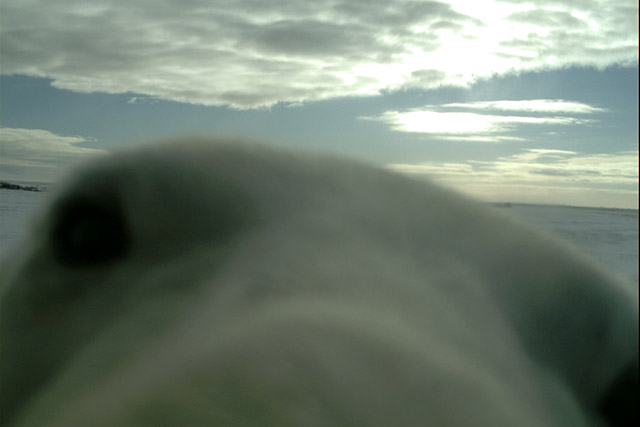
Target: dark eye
89, 233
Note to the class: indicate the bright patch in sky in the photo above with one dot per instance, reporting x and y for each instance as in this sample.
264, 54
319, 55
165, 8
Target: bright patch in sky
462, 123
443, 120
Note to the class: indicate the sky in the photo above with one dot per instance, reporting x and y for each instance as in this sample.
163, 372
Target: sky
504, 100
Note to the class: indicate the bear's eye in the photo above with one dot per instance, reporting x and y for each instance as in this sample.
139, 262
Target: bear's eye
89, 233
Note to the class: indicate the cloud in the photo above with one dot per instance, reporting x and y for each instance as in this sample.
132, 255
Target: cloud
251, 53
453, 121
532, 106
557, 176
568, 31
35, 155
435, 122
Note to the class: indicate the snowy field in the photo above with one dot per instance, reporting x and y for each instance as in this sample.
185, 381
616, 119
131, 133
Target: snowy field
16, 209
608, 235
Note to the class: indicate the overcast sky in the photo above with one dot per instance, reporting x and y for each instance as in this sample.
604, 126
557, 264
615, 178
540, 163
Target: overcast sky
502, 99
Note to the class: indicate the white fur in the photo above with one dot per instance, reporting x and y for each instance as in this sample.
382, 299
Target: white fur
248, 285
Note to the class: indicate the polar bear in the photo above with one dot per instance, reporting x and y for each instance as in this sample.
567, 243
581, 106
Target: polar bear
212, 282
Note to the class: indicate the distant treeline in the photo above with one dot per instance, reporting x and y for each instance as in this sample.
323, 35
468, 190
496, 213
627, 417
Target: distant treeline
10, 186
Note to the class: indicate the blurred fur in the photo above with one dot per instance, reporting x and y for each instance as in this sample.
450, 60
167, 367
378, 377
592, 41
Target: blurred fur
224, 283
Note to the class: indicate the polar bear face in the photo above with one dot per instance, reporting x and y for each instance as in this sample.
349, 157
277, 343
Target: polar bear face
223, 283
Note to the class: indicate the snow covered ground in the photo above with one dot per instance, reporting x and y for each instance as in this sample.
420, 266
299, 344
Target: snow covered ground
16, 209
609, 235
